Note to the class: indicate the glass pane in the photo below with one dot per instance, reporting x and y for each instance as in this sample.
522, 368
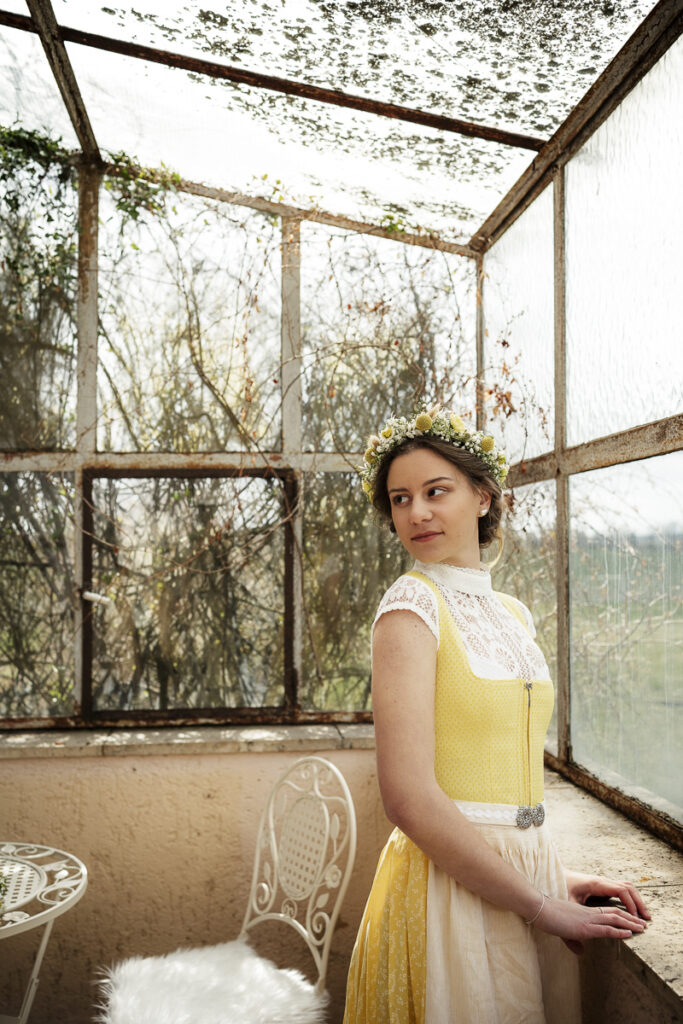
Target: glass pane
28, 92
512, 65
37, 594
519, 333
526, 570
193, 569
624, 230
293, 150
626, 577
38, 283
348, 564
189, 353
383, 326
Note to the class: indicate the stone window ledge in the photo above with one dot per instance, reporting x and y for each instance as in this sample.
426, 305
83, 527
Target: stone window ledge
182, 740
590, 836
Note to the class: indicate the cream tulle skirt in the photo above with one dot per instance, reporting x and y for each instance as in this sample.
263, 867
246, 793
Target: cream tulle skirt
431, 952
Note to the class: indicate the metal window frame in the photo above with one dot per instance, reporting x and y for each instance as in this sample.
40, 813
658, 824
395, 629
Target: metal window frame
655, 35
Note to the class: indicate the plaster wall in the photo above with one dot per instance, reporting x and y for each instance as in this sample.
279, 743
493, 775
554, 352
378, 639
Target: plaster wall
168, 842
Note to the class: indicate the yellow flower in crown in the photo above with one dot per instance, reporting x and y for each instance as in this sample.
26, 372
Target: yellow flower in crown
444, 425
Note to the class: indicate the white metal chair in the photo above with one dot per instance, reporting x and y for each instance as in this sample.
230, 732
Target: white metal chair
304, 855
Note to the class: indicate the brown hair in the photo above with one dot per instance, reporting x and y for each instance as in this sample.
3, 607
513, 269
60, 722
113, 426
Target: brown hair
474, 469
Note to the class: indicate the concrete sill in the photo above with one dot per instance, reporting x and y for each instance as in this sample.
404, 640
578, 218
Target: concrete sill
590, 836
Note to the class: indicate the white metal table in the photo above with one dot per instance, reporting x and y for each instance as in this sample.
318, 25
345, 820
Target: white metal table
40, 883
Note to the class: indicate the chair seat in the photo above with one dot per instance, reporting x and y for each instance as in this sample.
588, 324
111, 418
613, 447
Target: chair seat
224, 984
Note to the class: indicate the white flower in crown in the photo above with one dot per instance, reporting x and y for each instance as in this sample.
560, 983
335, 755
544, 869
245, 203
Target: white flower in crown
433, 422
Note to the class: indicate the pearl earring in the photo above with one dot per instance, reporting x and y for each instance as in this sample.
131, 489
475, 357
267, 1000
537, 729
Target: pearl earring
483, 512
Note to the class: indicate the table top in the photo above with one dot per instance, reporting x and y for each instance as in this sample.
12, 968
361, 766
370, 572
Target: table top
40, 883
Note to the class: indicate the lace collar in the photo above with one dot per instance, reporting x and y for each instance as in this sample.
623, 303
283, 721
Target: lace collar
456, 577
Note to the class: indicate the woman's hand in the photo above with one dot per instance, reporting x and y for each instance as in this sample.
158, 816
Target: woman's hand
583, 887
574, 922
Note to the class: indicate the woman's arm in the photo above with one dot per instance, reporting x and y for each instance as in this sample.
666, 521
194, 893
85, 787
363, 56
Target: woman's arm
403, 674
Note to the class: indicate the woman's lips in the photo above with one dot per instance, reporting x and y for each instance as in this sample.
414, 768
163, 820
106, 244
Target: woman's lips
427, 536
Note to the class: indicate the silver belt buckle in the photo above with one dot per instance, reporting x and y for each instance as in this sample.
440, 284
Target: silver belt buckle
527, 816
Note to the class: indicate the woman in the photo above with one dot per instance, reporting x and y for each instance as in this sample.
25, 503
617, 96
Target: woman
470, 902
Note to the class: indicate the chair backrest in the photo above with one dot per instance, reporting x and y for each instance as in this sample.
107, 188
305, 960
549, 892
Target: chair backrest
305, 851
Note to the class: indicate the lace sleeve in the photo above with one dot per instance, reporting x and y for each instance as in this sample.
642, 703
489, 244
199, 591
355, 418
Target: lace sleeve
412, 595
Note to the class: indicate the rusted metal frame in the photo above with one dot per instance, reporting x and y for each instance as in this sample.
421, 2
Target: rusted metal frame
644, 442
292, 600
256, 79
168, 463
648, 43
86, 420
84, 633
425, 241
264, 715
480, 320
292, 435
563, 681
88, 220
656, 822
86, 714
44, 22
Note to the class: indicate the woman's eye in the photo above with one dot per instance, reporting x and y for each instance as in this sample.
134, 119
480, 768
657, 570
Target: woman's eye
399, 499
437, 490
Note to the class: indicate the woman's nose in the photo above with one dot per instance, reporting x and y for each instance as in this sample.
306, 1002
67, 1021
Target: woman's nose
419, 511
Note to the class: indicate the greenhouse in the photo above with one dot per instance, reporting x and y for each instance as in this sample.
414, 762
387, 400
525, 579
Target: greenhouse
235, 240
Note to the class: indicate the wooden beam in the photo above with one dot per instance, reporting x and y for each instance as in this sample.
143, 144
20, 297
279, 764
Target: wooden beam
648, 43
43, 22
258, 80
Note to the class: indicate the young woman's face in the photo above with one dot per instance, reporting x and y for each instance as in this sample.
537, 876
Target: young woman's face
435, 508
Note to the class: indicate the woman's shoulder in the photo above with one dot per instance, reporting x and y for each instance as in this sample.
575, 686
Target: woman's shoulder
411, 593
519, 610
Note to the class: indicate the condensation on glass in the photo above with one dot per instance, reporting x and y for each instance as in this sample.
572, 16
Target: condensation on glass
383, 326
526, 569
518, 333
626, 585
624, 225
38, 595
349, 560
189, 324
192, 571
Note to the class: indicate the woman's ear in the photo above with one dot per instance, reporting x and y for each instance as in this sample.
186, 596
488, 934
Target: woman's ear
484, 503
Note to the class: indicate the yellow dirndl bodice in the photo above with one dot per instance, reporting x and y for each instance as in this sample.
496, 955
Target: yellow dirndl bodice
489, 737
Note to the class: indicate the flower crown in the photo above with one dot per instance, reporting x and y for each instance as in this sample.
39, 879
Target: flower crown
435, 423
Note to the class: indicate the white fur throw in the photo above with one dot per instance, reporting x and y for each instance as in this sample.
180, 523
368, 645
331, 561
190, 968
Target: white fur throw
225, 984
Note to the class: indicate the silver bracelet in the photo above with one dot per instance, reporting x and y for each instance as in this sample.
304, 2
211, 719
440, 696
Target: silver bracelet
538, 912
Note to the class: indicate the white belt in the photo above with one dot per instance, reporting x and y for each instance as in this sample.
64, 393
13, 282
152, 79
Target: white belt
502, 814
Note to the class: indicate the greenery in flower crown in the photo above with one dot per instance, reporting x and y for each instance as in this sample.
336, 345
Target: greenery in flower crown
435, 422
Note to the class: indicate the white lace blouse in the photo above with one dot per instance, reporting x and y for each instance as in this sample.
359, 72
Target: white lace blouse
496, 643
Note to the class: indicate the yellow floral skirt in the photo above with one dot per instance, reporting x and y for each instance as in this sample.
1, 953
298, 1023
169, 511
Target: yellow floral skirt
429, 951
